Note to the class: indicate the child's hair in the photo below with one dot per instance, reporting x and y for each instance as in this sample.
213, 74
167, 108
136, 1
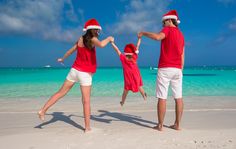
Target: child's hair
129, 57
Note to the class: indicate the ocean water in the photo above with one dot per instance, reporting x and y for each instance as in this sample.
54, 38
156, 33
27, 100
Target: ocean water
43, 82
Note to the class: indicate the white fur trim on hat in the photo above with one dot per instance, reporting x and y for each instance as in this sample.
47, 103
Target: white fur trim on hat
170, 17
92, 27
137, 51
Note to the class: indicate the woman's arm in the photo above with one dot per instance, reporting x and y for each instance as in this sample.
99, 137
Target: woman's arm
102, 43
68, 53
116, 48
155, 36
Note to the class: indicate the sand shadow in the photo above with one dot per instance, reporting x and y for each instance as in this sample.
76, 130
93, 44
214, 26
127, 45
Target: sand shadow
59, 116
116, 116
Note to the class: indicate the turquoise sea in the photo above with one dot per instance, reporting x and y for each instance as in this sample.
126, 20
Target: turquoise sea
43, 82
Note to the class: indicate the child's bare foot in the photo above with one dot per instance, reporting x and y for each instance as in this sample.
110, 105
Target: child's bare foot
176, 127
158, 127
121, 103
86, 130
41, 115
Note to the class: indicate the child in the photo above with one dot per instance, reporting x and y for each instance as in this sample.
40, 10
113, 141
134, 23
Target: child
132, 77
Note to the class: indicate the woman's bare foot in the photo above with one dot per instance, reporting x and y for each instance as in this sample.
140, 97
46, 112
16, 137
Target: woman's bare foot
41, 115
145, 96
86, 130
158, 127
121, 103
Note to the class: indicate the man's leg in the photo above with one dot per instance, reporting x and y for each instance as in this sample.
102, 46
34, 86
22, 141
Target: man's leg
179, 106
161, 111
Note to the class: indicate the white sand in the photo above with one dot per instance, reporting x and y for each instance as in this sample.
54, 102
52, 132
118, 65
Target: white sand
208, 123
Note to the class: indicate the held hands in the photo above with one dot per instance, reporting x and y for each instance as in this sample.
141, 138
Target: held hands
111, 39
140, 34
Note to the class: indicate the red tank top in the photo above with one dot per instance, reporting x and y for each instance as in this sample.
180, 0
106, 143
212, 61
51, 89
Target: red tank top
85, 60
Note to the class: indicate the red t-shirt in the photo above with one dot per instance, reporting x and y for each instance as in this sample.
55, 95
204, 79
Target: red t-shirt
85, 60
132, 76
171, 48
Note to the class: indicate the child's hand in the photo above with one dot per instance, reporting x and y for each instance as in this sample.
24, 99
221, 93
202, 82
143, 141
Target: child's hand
140, 34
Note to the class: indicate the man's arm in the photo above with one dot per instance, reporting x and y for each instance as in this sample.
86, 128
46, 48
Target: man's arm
182, 58
155, 36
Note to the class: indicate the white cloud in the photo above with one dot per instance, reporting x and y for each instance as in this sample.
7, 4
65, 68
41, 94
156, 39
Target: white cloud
232, 25
39, 18
140, 15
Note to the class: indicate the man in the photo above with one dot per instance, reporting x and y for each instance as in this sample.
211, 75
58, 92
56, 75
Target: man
171, 63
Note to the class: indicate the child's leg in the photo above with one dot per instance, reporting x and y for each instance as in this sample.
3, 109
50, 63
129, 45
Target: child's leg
125, 92
141, 90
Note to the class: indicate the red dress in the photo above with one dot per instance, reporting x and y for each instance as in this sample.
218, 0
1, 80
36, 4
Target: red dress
132, 76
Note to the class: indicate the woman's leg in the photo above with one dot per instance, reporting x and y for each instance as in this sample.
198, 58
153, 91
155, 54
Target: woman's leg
86, 91
125, 92
141, 90
54, 98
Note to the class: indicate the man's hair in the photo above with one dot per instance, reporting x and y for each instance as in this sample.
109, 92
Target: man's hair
174, 21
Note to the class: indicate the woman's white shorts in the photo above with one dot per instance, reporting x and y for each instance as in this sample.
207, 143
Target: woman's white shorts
169, 76
84, 78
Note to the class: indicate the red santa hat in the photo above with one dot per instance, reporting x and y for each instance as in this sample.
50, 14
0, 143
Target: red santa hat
172, 14
92, 24
130, 49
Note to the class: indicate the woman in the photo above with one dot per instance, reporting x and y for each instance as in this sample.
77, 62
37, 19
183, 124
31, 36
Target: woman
82, 70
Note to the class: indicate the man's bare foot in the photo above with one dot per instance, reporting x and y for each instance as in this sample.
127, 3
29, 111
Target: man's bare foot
175, 127
86, 130
121, 103
158, 127
41, 115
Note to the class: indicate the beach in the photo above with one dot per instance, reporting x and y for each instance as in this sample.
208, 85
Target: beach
208, 122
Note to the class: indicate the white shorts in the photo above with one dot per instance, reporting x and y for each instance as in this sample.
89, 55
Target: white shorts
84, 78
166, 77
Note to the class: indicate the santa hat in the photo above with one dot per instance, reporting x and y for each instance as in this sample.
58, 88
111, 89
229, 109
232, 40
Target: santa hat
91, 24
130, 49
172, 14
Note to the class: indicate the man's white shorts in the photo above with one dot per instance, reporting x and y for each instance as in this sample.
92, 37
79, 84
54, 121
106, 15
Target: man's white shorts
84, 78
169, 76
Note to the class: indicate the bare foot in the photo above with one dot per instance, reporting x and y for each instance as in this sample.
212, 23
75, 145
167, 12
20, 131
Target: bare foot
41, 115
121, 103
86, 130
145, 96
175, 127
158, 127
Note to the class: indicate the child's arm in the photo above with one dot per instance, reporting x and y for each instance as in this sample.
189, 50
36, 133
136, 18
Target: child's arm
138, 45
116, 48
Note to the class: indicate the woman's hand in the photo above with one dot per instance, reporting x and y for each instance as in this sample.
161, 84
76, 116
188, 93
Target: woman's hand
60, 60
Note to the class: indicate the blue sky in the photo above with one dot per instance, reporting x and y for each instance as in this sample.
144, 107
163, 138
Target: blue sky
36, 33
